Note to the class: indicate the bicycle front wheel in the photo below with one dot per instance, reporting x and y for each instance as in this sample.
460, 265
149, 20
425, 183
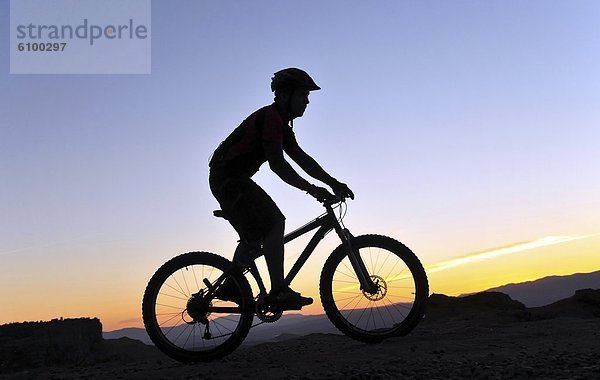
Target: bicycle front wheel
184, 320
402, 290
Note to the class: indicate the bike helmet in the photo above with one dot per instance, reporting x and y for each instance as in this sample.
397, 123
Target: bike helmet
293, 78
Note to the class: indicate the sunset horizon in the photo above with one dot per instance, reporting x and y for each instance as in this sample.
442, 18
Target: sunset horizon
112, 322
467, 131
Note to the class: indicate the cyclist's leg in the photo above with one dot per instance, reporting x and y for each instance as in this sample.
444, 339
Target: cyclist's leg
262, 218
273, 250
259, 218
242, 253
284, 297
255, 216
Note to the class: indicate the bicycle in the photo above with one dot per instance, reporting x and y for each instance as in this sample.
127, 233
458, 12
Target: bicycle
372, 287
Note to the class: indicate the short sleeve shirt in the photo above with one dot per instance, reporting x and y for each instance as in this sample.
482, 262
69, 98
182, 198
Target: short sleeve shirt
242, 152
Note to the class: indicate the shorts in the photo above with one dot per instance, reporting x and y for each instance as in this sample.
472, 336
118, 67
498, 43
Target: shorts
249, 209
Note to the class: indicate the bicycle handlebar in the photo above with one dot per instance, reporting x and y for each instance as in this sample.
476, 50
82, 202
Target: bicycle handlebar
331, 201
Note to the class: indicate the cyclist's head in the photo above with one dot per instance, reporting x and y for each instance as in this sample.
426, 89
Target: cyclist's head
291, 79
291, 87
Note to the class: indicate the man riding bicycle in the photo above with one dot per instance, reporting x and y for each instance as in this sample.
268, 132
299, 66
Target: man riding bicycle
263, 137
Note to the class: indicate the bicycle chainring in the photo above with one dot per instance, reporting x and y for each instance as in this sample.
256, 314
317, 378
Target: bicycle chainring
265, 311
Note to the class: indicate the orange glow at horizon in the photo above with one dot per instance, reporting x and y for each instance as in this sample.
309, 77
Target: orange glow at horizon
495, 267
471, 273
500, 251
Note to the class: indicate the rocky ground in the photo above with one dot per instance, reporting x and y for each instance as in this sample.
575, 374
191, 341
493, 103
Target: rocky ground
485, 336
562, 348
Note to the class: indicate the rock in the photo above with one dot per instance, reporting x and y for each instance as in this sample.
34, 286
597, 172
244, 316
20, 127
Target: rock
58, 342
488, 306
585, 303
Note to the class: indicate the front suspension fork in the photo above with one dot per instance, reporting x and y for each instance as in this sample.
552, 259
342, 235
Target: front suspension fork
366, 283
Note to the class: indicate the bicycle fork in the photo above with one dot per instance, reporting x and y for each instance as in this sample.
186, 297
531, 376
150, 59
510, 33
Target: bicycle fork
366, 283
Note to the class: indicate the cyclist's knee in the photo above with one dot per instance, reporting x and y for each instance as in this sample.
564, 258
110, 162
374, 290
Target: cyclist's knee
280, 222
277, 227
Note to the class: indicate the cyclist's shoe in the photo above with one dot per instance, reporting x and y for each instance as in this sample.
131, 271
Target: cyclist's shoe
287, 299
228, 292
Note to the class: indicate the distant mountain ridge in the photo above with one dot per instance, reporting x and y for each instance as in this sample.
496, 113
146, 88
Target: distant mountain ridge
531, 294
289, 326
547, 290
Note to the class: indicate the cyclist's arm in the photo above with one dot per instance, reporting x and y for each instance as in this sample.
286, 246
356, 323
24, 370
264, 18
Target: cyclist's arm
277, 163
308, 164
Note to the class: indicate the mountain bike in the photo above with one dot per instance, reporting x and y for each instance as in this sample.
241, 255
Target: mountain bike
372, 287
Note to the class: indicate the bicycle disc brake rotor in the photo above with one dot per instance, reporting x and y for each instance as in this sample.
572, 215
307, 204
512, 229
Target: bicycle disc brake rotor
266, 312
381, 289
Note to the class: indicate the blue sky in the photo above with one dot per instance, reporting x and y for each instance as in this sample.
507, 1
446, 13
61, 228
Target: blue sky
460, 125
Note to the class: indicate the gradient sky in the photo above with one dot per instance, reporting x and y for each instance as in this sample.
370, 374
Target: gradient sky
463, 127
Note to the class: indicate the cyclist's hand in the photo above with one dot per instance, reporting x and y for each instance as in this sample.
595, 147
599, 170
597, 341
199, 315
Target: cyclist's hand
342, 190
321, 194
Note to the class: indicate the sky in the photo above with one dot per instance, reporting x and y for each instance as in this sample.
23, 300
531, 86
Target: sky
468, 130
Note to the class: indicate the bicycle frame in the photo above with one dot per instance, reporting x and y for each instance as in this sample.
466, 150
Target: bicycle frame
325, 224
196, 291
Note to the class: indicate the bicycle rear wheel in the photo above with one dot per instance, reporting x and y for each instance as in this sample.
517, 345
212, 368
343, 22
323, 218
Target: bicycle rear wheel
399, 303
187, 324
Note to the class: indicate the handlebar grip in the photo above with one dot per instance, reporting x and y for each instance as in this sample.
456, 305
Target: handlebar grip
332, 200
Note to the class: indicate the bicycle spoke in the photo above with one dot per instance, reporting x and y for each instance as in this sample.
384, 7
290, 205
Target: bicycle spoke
400, 277
347, 282
193, 336
374, 271
382, 264
163, 305
195, 278
177, 282
169, 295
229, 319
343, 291
371, 317
177, 313
352, 275
188, 337
388, 310
395, 307
176, 290
349, 298
353, 308
169, 320
216, 325
402, 297
391, 270
181, 333
185, 281
361, 315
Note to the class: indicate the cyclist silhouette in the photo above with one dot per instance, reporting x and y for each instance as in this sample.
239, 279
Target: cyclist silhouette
263, 137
